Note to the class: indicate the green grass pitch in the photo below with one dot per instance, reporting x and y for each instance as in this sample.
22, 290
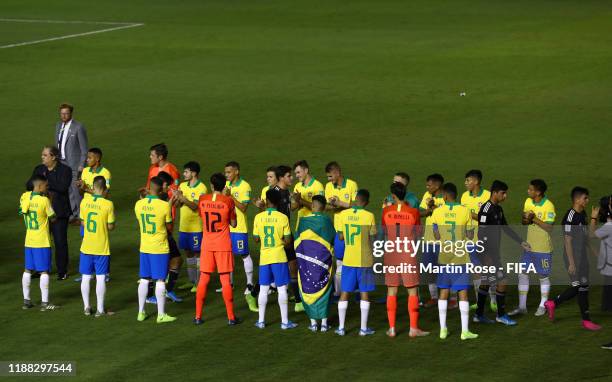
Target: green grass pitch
372, 84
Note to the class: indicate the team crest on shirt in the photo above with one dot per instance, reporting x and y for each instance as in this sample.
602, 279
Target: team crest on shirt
236, 195
346, 196
539, 215
310, 194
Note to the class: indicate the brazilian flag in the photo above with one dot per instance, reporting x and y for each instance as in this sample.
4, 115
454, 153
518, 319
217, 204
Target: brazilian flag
314, 242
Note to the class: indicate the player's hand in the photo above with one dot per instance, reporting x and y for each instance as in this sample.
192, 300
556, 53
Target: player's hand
227, 191
526, 246
297, 197
332, 201
430, 203
571, 269
259, 203
595, 212
78, 183
529, 217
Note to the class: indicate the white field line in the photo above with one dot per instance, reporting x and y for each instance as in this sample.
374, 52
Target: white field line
118, 27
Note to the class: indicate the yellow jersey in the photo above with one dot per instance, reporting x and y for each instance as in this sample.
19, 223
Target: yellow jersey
271, 227
96, 213
452, 221
240, 191
473, 203
89, 174
345, 192
538, 238
153, 214
36, 210
438, 201
307, 191
190, 220
358, 226
263, 193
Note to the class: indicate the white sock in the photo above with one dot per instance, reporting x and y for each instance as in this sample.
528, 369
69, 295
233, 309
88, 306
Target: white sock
338, 278
364, 306
44, 287
433, 291
160, 295
192, 272
248, 269
477, 283
523, 289
313, 322
26, 280
85, 279
143, 289
100, 292
544, 290
324, 321
283, 302
442, 307
262, 301
464, 308
342, 307
492, 293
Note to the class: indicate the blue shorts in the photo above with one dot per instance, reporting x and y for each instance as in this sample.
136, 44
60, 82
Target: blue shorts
190, 241
430, 254
474, 255
353, 278
38, 259
240, 243
541, 261
277, 273
154, 266
90, 264
338, 248
82, 230
455, 281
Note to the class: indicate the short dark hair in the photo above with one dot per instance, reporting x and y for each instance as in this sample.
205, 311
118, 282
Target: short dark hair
578, 192
320, 199
604, 208
398, 189
332, 166
233, 164
271, 168
450, 189
66, 106
474, 174
156, 180
53, 150
403, 175
435, 178
498, 185
192, 166
301, 163
165, 177
100, 182
282, 170
38, 178
363, 195
273, 196
161, 150
97, 151
539, 185
218, 181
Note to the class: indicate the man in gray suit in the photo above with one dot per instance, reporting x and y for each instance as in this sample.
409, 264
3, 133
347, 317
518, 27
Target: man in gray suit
71, 139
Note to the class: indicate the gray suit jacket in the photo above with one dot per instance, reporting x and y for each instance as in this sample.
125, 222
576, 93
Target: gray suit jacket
76, 144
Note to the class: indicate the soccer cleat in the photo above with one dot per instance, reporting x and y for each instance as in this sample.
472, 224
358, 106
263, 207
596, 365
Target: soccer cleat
103, 314
234, 322
219, 290
141, 316
505, 320
87, 311
467, 335
78, 279
194, 289
340, 331
260, 325
443, 333
391, 332
473, 306
453, 304
107, 278
550, 308
162, 319
251, 302
493, 306
590, 325
366, 332
152, 300
607, 346
289, 325
299, 307
431, 303
27, 304
416, 332
517, 312
482, 319
45, 306
248, 289
173, 297
313, 328
540, 312
324, 328
198, 321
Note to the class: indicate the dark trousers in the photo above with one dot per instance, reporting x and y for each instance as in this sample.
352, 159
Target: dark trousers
606, 295
59, 230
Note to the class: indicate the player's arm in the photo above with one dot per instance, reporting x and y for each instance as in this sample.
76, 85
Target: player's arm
593, 223
548, 227
435, 228
233, 219
183, 201
569, 249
